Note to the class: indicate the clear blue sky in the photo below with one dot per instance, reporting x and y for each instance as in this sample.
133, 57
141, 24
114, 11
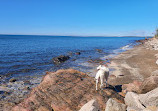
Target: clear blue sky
79, 17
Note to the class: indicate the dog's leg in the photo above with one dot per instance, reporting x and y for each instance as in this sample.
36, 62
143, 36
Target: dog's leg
96, 84
102, 82
106, 83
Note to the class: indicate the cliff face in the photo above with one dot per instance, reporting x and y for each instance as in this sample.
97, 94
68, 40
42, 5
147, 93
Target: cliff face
65, 90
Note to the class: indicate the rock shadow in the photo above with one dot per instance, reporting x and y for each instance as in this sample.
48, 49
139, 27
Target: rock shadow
117, 88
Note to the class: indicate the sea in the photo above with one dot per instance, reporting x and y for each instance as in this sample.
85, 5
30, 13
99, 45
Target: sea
26, 56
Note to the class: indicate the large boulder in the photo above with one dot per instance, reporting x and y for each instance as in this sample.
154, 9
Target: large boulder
133, 109
132, 87
65, 90
132, 100
149, 84
150, 98
60, 59
113, 105
151, 108
91, 106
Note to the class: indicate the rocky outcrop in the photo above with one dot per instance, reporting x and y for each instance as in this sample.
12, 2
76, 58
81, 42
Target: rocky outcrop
91, 106
133, 109
132, 87
151, 108
149, 84
60, 59
145, 86
142, 102
150, 98
151, 44
113, 105
132, 100
65, 90
143, 40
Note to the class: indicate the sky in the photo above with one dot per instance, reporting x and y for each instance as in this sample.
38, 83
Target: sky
79, 17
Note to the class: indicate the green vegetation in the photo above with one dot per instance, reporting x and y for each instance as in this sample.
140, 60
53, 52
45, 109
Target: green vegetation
156, 34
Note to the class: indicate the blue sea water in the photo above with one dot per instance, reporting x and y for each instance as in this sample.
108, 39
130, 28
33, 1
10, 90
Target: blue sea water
24, 56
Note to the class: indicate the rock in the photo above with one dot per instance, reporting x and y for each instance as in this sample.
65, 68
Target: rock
70, 53
151, 44
65, 90
27, 82
99, 50
60, 59
96, 61
141, 41
149, 84
151, 108
132, 100
154, 73
91, 106
150, 98
27, 88
156, 55
12, 80
132, 87
157, 62
113, 105
73, 59
122, 94
78, 53
133, 109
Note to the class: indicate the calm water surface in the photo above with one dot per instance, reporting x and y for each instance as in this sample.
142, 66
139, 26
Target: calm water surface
26, 56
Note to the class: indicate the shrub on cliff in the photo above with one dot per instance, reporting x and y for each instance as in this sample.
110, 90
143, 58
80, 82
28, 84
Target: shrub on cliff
156, 34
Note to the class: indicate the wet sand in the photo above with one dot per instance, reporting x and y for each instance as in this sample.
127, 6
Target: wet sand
135, 64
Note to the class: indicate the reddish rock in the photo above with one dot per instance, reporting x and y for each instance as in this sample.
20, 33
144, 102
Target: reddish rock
149, 84
78, 53
132, 87
65, 90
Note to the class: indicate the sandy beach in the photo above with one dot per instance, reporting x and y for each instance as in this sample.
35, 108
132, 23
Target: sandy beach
135, 64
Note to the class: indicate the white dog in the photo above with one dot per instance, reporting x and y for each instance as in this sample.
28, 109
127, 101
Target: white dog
103, 73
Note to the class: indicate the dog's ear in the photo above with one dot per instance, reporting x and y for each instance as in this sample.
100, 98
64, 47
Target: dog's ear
98, 67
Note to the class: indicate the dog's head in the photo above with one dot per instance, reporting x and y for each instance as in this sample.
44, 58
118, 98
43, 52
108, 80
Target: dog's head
99, 67
105, 66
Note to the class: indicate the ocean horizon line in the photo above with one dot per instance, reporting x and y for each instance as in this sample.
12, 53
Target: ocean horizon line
67, 35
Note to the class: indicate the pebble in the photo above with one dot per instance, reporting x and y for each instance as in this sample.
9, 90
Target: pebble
12, 80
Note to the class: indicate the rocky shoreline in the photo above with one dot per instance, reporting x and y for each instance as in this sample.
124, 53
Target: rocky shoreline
132, 86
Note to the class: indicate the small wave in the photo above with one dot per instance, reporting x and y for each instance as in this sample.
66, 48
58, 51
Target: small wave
127, 47
117, 51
